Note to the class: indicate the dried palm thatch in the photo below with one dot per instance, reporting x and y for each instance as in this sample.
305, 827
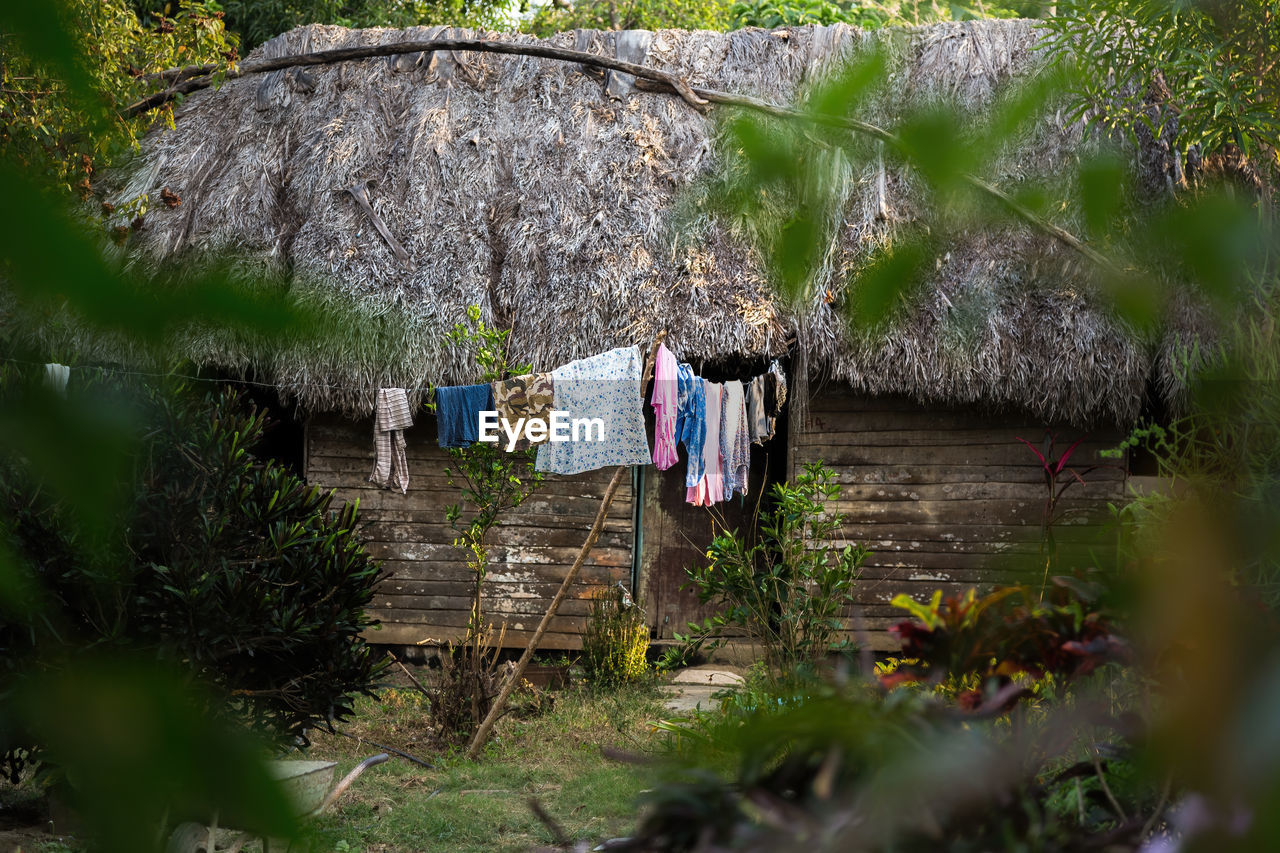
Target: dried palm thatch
527, 187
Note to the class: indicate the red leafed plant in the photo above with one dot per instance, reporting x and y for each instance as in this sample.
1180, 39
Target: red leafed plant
1057, 479
1007, 631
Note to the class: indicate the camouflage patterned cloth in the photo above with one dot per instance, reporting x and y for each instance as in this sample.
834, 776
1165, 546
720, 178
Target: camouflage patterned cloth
529, 396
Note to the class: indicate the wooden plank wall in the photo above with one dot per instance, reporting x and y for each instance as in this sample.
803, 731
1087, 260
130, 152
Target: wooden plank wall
947, 499
427, 595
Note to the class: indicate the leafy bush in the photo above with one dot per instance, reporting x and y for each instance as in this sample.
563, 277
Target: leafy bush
227, 566
259, 20
615, 639
555, 17
964, 760
788, 590
1203, 76
847, 766
867, 13
770, 14
65, 137
982, 644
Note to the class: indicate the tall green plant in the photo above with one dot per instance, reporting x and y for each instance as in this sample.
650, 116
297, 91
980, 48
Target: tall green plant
491, 481
1225, 449
788, 588
1204, 76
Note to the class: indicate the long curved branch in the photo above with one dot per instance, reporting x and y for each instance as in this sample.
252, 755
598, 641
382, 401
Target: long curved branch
195, 78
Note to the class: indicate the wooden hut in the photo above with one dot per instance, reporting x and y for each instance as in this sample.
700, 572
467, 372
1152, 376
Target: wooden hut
567, 206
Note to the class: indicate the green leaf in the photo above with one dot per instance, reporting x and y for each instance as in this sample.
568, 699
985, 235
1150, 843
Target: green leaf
931, 141
875, 291
1102, 186
44, 31
926, 613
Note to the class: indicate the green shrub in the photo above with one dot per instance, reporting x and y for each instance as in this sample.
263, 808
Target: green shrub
616, 638
788, 590
223, 564
635, 15
54, 133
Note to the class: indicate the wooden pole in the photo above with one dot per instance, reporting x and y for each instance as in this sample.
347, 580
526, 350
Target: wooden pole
495, 710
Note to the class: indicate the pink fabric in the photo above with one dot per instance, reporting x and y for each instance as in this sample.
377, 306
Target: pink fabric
711, 487
665, 407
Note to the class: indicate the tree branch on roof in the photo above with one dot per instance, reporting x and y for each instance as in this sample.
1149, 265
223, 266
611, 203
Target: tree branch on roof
195, 78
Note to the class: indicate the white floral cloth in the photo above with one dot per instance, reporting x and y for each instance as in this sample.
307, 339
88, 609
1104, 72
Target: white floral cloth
605, 386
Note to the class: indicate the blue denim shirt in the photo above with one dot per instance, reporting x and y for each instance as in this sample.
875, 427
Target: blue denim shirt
691, 421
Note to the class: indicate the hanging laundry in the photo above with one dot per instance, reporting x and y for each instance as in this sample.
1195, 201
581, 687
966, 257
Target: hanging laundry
759, 424
607, 387
691, 424
458, 411
710, 488
55, 378
735, 442
776, 396
666, 408
530, 397
392, 415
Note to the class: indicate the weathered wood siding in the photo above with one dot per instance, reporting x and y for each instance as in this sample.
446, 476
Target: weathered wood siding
427, 596
676, 535
947, 499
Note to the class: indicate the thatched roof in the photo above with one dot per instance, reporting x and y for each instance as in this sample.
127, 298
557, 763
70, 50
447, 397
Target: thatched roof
520, 185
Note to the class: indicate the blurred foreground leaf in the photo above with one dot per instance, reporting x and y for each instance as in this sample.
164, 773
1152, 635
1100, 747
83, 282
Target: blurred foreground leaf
136, 749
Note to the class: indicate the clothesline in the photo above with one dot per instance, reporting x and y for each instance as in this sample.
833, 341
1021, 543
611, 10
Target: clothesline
716, 422
123, 371
176, 375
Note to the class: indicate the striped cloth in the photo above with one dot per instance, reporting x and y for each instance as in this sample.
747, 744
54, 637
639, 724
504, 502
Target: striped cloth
390, 467
735, 440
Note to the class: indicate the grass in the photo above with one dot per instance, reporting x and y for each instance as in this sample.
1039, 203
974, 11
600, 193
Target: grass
461, 805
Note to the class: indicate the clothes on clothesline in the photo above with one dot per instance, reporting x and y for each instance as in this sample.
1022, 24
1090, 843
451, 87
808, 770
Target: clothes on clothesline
602, 395
458, 411
56, 376
392, 416
710, 487
735, 443
599, 400
691, 423
759, 425
530, 397
765, 396
776, 390
666, 408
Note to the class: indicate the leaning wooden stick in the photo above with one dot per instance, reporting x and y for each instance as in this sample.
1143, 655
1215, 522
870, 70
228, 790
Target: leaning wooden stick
495, 710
